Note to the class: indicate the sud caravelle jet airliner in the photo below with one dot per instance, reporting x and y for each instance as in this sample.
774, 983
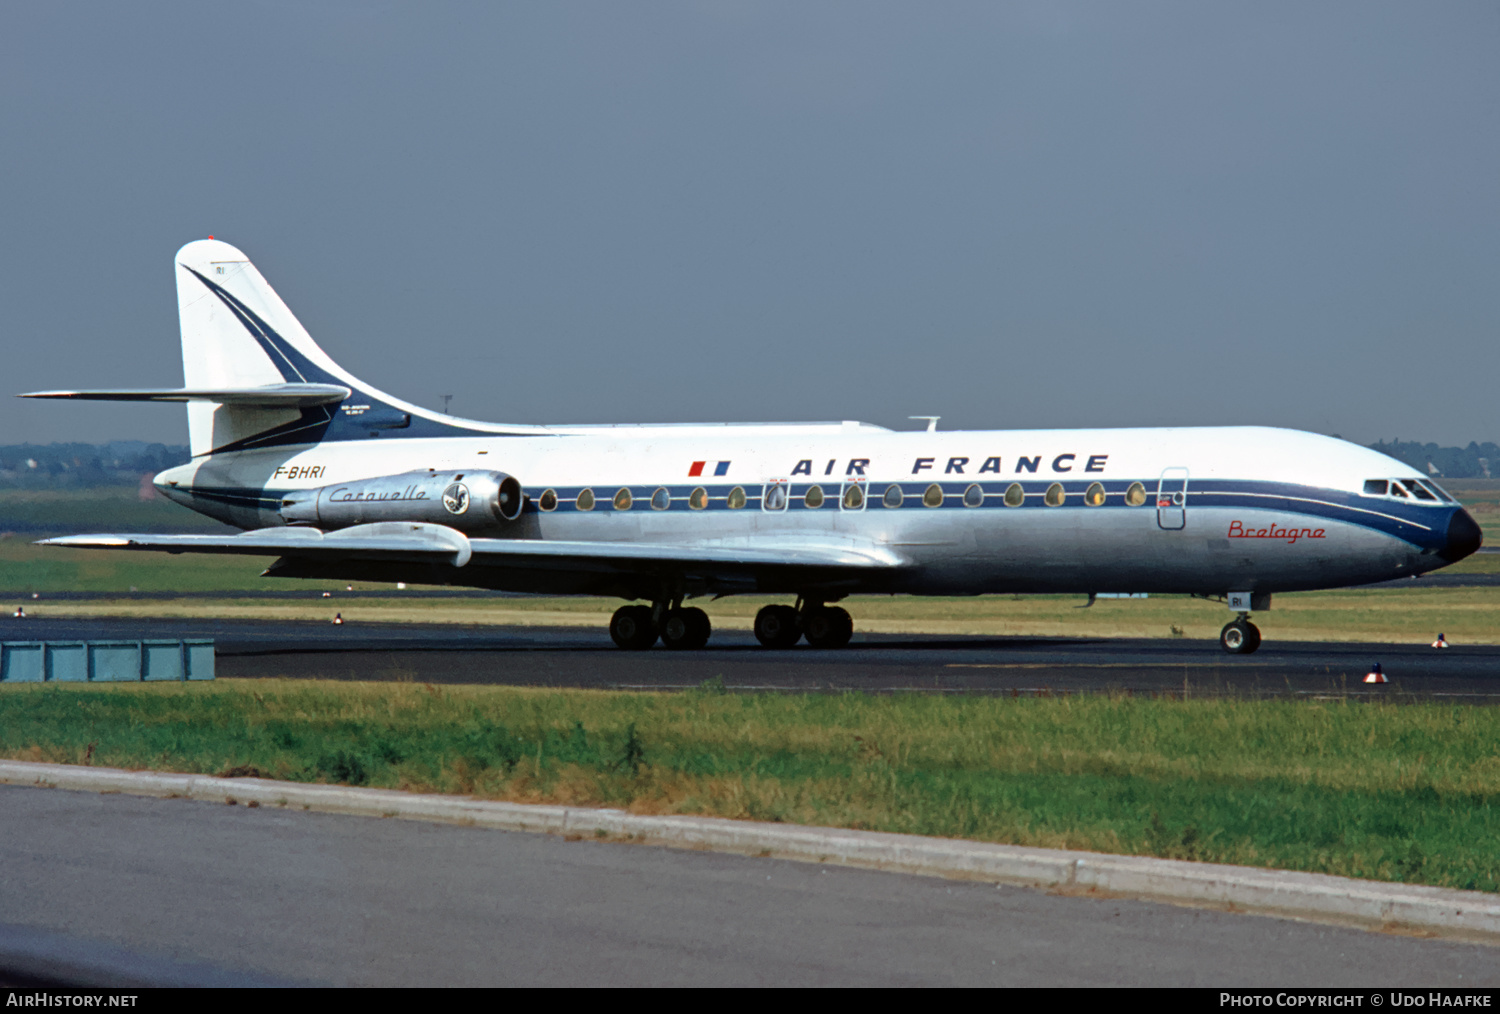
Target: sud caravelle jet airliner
340, 480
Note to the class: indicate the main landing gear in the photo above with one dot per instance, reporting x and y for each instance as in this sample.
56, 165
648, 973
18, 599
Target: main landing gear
636, 628
823, 626
1240, 637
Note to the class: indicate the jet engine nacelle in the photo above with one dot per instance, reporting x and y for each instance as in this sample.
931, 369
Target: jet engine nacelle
467, 501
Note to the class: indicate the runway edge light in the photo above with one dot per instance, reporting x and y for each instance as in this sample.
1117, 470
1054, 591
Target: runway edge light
338, 620
1375, 675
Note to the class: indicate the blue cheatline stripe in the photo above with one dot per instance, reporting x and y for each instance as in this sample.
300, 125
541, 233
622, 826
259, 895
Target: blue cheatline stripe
1419, 525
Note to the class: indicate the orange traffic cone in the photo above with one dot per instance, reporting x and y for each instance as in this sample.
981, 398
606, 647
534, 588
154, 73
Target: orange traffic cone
1441, 642
1375, 675
338, 621
20, 612
328, 595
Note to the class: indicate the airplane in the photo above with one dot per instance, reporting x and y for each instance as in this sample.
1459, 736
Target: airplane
339, 480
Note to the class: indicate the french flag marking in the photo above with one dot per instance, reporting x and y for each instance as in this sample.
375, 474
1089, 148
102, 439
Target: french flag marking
720, 468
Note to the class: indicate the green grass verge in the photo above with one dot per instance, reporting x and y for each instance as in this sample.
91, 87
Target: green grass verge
1403, 793
97, 509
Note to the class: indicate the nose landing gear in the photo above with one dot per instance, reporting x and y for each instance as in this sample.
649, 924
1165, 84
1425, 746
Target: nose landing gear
1240, 637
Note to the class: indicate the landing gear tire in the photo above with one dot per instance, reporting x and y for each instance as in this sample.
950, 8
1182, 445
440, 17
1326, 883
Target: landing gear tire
828, 627
632, 628
685, 629
777, 627
1240, 637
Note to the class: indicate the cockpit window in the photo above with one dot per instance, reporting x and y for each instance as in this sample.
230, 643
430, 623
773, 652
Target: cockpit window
1408, 489
1435, 488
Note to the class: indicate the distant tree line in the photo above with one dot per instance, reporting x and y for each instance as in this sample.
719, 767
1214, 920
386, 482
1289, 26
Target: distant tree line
57, 466
1477, 461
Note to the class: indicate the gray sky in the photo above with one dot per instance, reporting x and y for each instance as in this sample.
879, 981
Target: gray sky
1010, 214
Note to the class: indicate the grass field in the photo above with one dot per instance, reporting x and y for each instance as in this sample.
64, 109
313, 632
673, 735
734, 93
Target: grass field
1403, 793
41, 512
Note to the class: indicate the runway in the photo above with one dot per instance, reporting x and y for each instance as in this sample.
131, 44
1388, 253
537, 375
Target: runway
585, 657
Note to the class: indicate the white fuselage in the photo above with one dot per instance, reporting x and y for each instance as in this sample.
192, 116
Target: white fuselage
1216, 509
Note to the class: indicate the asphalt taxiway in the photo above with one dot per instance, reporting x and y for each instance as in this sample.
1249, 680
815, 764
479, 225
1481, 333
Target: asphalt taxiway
584, 657
241, 895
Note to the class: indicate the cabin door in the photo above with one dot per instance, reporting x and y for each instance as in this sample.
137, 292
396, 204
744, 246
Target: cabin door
1171, 499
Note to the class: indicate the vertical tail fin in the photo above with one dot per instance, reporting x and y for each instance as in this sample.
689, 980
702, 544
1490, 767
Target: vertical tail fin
237, 333
254, 378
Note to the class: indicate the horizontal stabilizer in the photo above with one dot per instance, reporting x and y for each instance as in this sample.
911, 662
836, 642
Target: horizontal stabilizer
268, 396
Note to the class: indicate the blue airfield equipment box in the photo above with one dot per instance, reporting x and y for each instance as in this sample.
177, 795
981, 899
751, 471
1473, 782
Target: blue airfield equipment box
105, 661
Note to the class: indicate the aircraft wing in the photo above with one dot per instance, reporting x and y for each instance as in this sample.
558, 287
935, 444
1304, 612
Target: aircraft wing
412, 542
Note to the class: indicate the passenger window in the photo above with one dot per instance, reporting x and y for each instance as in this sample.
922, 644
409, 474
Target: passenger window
813, 498
1094, 495
661, 499
623, 499
854, 497
699, 499
736, 498
1135, 495
933, 497
974, 496
773, 497
893, 496
1015, 496
1375, 487
585, 501
548, 500
1054, 496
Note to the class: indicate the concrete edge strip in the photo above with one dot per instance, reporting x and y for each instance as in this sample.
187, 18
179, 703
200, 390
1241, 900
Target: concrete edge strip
1312, 896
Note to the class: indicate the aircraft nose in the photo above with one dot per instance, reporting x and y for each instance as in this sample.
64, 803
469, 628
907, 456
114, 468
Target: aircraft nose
1464, 537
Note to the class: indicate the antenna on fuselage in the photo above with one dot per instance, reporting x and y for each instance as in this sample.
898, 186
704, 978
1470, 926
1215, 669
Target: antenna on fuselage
930, 419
